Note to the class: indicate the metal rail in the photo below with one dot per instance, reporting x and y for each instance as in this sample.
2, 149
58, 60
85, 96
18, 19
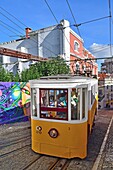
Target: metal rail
18, 54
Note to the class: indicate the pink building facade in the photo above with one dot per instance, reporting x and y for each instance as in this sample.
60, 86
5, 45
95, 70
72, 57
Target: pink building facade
80, 57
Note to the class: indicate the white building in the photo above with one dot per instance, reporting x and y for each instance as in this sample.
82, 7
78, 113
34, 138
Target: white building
49, 42
107, 66
106, 93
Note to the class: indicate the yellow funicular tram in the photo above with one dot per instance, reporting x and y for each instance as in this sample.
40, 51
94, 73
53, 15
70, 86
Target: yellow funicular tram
62, 114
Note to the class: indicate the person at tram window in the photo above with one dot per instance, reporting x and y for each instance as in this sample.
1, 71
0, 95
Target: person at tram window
74, 102
74, 99
62, 99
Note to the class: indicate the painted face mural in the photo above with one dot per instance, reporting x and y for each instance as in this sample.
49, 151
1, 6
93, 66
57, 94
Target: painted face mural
14, 98
10, 95
26, 98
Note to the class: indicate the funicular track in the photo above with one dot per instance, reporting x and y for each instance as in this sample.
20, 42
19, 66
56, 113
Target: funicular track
17, 154
53, 164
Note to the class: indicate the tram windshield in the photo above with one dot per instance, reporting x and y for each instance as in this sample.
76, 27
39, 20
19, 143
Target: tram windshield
53, 103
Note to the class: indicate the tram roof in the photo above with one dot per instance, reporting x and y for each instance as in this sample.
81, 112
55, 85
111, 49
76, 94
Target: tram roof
62, 80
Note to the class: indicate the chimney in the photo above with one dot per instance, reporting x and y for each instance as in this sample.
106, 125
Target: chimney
28, 30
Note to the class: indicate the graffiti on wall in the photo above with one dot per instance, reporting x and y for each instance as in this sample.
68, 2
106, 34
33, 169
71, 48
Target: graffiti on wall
14, 101
25, 88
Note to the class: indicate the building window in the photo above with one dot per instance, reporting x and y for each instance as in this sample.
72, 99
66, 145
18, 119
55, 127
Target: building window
76, 45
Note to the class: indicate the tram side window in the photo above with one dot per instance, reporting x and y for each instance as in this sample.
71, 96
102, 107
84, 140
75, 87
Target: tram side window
34, 103
83, 102
53, 103
75, 104
92, 89
92, 94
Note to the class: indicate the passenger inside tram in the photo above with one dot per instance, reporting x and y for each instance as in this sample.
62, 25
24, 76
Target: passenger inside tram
62, 99
54, 99
74, 104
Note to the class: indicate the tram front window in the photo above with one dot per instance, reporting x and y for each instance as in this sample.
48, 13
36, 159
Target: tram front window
75, 104
53, 103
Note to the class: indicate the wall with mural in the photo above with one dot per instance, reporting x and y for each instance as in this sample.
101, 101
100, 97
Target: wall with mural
14, 101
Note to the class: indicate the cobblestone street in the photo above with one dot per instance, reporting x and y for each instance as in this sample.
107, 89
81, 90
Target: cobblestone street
16, 153
106, 162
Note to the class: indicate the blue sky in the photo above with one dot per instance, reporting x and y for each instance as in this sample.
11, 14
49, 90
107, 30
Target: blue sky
35, 14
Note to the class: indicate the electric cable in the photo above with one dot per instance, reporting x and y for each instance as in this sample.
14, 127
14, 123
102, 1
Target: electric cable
8, 29
86, 22
55, 19
10, 26
110, 23
51, 11
73, 17
98, 49
11, 21
19, 27
57, 22
13, 16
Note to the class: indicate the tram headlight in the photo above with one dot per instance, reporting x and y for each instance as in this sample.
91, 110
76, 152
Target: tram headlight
53, 133
38, 128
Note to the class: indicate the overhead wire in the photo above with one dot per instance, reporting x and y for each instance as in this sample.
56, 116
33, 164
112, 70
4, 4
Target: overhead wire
51, 11
78, 59
13, 16
110, 23
73, 16
8, 29
58, 22
18, 26
11, 21
43, 46
99, 49
86, 22
24, 24
56, 18
77, 25
10, 26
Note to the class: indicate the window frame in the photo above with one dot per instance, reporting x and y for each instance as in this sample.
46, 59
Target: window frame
76, 47
86, 104
57, 109
34, 102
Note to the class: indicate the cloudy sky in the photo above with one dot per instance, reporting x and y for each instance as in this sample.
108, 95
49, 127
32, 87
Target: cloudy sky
101, 51
16, 15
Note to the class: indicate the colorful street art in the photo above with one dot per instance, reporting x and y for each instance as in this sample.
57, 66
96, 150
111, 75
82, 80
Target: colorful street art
14, 101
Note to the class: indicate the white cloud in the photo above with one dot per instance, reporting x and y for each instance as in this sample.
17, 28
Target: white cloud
100, 51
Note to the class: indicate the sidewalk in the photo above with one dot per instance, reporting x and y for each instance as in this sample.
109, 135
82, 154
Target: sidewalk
106, 161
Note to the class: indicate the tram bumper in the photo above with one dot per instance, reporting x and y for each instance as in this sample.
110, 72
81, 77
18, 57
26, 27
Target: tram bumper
71, 140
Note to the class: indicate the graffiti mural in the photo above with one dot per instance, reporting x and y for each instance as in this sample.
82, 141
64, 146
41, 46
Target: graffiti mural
14, 101
25, 88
